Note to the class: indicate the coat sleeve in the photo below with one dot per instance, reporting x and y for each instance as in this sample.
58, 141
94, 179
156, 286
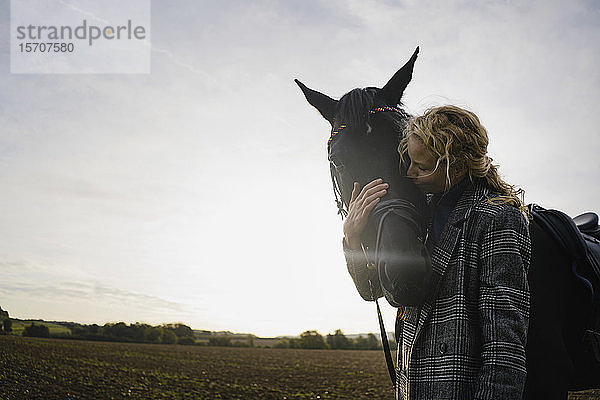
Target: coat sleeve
503, 306
357, 267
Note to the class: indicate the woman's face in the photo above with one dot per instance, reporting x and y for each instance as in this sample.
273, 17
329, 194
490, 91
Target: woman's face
427, 175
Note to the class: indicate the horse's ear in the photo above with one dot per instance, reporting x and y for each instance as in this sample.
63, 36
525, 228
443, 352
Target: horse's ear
392, 91
323, 103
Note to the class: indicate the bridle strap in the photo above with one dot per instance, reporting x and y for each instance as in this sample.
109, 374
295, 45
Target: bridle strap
401, 208
337, 192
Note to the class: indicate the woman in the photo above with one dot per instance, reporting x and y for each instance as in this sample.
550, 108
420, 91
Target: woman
467, 340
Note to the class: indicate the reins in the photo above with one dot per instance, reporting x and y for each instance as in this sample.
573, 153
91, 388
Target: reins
384, 340
408, 212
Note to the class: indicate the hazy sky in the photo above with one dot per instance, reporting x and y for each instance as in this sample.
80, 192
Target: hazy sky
201, 193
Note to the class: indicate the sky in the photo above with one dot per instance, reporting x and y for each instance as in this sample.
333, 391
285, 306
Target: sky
200, 192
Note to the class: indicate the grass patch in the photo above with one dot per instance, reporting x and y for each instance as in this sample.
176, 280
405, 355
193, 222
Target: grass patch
18, 326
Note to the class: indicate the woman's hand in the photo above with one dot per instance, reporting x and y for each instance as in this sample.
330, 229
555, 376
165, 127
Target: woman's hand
359, 208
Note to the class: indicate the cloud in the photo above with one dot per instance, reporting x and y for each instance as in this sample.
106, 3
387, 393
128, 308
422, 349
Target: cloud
84, 292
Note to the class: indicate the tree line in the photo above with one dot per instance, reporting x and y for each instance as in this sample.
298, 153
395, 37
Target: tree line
179, 333
336, 341
137, 332
111, 332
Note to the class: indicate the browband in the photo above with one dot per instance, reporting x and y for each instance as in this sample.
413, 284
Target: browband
340, 128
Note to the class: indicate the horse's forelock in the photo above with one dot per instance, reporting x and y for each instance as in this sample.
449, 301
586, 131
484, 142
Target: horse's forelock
353, 109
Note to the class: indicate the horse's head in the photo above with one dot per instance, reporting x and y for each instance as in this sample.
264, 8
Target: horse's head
367, 125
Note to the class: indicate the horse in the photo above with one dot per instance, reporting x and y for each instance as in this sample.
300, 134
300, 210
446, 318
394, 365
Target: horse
357, 156
366, 127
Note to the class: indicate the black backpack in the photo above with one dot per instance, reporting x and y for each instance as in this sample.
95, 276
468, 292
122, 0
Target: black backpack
580, 238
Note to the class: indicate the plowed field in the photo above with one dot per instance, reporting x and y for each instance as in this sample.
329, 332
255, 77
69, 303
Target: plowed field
64, 369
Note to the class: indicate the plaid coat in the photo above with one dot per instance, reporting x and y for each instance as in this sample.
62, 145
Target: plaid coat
467, 340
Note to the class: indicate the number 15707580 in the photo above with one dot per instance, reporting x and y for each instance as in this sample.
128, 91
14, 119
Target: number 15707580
41, 47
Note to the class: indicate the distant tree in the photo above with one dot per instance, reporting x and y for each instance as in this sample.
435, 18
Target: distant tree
91, 332
338, 340
153, 334
282, 344
3, 313
367, 343
182, 331
168, 337
373, 343
249, 342
186, 340
34, 330
219, 341
137, 332
115, 330
312, 340
7, 325
77, 331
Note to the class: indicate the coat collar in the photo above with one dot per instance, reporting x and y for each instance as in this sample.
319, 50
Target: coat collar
474, 192
442, 252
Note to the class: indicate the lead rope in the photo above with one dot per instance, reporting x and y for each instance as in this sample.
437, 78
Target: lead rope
384, 340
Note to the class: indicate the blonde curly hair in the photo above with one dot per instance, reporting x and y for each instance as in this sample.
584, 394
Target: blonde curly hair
458, 139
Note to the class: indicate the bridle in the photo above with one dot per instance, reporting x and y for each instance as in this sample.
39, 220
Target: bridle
342, 209
401, 208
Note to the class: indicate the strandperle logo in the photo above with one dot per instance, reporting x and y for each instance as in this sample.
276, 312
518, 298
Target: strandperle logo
84, 31
80, 36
